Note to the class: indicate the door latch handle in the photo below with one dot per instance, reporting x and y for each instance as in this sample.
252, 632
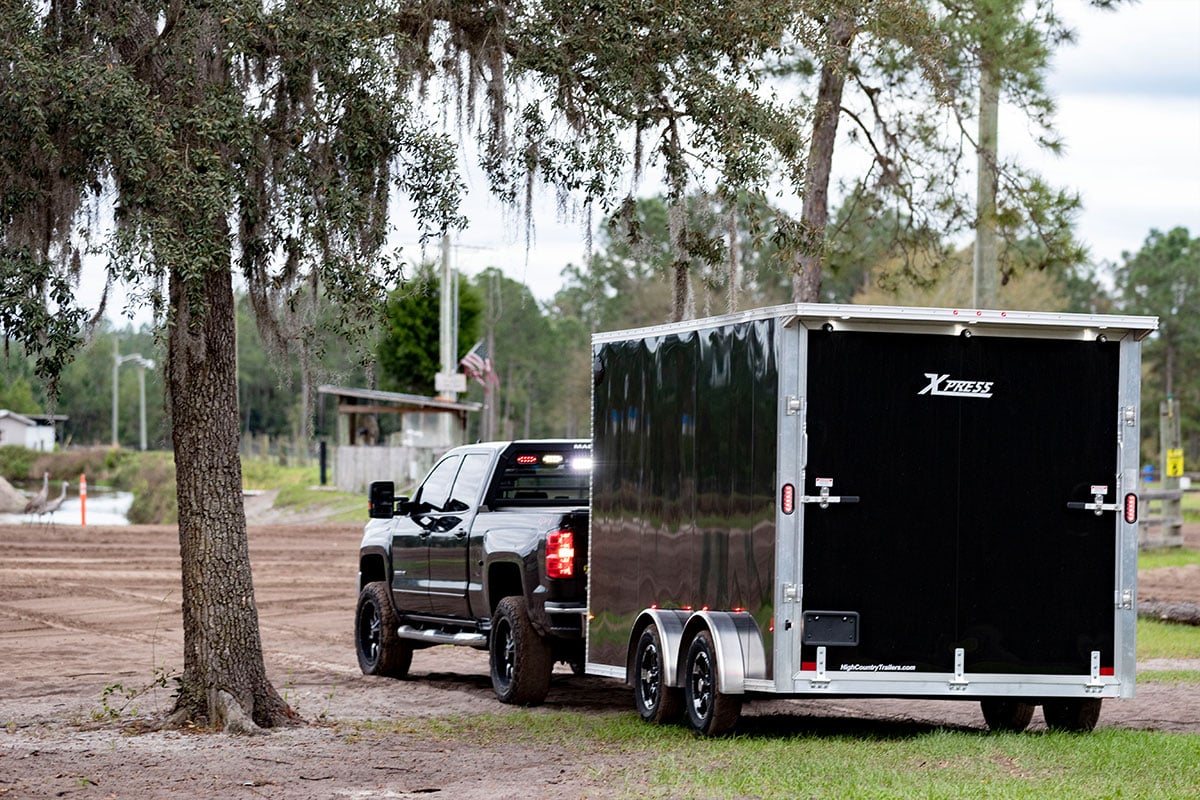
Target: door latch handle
1098, 506
825, 498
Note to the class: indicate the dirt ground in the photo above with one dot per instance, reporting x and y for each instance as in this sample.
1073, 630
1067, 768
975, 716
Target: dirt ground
85, 611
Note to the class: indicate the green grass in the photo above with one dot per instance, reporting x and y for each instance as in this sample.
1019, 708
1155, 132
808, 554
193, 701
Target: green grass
1168, 557
1170, 676
297, 492
1166, 640
797, 756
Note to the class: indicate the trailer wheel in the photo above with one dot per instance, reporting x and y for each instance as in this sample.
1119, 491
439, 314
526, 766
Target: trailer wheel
521, 660
656, 702
1074, 715
380, 650
1005, 714
709, 712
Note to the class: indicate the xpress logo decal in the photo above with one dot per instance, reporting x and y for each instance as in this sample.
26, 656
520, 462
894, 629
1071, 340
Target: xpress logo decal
945, 386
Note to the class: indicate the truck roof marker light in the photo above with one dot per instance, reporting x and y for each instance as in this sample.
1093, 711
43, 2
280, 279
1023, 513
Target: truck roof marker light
788, 500
552, 458
1131, 508
527, 460
560, 554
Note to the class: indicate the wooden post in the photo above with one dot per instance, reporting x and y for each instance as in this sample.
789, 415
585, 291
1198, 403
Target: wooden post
1171, 448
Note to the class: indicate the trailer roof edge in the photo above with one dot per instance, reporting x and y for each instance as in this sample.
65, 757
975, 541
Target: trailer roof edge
816, 314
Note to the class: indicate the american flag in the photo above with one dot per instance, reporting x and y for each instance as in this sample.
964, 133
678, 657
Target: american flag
477, 363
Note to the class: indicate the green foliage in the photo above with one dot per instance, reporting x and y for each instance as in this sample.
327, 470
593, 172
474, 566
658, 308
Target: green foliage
1163, 279
119, 702
16, 394
16, 461
409, 350
151, 478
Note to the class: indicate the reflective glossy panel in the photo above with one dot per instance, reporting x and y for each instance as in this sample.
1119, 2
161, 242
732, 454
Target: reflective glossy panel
684, 478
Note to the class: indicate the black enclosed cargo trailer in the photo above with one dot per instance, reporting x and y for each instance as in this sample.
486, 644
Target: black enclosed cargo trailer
815, 500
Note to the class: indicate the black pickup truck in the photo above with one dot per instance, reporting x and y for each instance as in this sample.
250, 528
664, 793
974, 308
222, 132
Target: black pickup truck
489, 553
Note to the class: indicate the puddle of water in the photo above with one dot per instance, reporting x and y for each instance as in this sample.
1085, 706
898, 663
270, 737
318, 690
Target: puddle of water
104, 507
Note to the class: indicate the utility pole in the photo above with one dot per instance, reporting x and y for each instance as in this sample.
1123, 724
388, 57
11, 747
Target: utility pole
448, 382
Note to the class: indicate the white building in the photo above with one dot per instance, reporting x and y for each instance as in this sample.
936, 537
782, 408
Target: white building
18, 429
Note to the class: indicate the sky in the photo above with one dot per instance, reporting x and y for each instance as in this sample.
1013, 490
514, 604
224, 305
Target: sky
1128, 95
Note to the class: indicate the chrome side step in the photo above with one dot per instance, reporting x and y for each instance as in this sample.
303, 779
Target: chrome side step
441, 637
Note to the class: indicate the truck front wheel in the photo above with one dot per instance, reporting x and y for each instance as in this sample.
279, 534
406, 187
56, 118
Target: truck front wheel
380, 650
710, 712
1074, 715
521, 660
656, 701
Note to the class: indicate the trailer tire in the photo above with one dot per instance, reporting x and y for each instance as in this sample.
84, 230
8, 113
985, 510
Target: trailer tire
521, 660
1006, 714
710, 712
1078, 715
656, 701
380, 649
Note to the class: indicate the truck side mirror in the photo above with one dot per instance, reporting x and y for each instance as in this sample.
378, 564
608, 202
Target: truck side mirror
381, 498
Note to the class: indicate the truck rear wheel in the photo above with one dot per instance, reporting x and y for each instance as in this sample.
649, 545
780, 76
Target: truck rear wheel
521, 660
1077, 715
380, 650
1006, 714
709, 711
656, 701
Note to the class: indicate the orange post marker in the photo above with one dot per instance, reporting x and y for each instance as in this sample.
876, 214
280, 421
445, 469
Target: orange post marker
82, 499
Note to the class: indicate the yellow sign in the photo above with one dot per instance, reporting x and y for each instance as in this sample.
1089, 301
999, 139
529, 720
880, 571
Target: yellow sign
1175, 463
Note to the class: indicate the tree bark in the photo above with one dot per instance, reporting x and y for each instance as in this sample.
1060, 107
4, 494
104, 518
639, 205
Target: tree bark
222, 655
806, 276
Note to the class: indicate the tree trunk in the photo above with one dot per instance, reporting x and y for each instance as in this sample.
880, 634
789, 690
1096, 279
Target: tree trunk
223, 665
985, 264
806, 278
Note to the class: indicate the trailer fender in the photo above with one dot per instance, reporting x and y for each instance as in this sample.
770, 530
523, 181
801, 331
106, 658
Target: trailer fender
736, 638
670, 623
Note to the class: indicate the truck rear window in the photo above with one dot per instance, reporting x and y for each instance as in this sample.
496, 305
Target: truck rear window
541, 476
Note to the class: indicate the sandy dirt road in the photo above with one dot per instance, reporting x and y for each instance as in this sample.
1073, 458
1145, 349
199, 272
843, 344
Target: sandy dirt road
89, 610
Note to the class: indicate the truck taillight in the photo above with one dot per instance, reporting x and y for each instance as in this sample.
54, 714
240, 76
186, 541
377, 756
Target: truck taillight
560, 554
1131, 508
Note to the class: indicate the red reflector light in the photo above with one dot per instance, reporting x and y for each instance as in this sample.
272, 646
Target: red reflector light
1131, 508
560, 554
526, 460
789, 498
808, 666
1107, 671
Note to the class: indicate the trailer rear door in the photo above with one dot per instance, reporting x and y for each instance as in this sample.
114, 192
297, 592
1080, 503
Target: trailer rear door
963, 454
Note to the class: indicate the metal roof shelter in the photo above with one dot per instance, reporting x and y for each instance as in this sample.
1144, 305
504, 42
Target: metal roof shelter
355, 403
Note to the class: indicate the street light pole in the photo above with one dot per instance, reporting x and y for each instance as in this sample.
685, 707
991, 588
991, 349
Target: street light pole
143, 364
116, 368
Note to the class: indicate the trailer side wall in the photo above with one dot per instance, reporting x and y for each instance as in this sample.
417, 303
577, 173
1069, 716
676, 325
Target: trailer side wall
684, 439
